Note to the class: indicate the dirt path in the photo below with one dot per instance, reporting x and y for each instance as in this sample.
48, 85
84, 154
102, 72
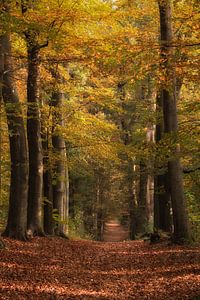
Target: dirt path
114, 232
57, 269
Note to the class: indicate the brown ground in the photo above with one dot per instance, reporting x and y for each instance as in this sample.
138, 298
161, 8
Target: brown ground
114, 232
54, 268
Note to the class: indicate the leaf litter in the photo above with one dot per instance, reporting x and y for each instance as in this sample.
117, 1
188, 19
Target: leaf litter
54, 268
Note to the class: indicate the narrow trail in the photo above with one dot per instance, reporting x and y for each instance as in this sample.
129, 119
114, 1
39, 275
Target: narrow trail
57, 269
114, 232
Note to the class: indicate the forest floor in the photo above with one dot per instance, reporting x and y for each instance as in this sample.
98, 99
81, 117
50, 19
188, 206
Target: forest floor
54, 268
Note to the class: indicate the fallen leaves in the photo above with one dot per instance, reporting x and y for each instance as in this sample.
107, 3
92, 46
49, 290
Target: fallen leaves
47, 268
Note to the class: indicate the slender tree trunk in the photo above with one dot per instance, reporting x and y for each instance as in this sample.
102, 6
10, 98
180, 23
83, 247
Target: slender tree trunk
73, 187
66, 203
34, 143
99, 214
150, 179
142, 200
47, 185
168, 93
162, 218
1, 106
126, 137
150, 200
61, 178
132, 200
162, 197
2, 244
17, 214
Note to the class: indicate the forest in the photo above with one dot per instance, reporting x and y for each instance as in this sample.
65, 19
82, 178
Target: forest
100, 148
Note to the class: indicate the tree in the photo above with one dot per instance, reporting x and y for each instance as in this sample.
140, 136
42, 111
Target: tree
60, 168
17, 215
47, 176
162, 197
168, 94
33, 129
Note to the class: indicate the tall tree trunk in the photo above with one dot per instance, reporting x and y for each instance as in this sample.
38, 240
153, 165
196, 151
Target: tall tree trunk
61, 178
162, 218
17, 214
99, 204
162, 197
150, 200
34, 142
47, 185
132, 200
1, 111
73, 187
127, 139
168, 93
141, 225
150, 179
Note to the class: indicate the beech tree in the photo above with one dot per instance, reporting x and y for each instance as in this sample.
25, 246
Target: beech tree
34, 129
162, 197
17, 214
60, 169
168, 94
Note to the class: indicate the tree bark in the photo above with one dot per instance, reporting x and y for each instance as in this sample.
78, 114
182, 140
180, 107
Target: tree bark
99, 214
132, 200
141, 225
162, 218
61, 178
127, 139
168, 93
17, 214
47, 185
34, 142
162, 197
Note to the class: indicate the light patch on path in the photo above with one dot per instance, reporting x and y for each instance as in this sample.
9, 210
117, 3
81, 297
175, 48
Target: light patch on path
114, 232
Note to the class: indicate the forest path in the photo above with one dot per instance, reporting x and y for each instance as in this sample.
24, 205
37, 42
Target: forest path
114, 232
58, 269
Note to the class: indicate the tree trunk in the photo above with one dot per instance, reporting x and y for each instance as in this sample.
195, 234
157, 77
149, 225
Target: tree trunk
47, 185
17, 214
168, 93
150, 201
99, 214
162, 197
61, 186
162, 218
127, 139
132, 200
141, 225
34, 143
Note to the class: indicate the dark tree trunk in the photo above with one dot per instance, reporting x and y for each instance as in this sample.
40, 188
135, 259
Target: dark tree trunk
132, 200
99, 205
74, 183
47, 185
141, 225
127, 139
162, 218
48, 203
17, 214
61, 186
34, 143
162, 198
168, 93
